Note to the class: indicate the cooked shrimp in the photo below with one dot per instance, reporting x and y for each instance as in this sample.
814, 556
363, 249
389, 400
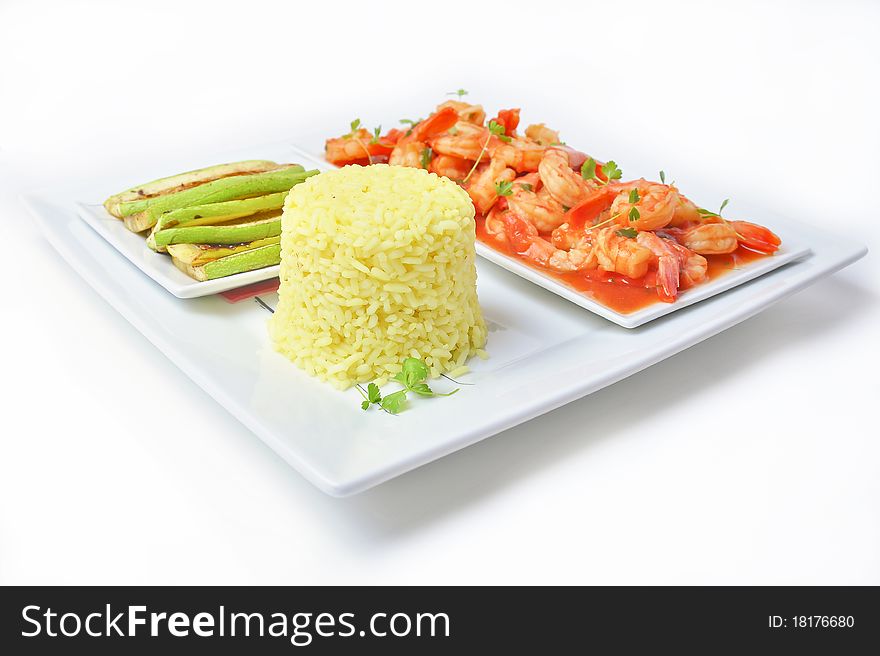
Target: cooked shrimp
524, 238
495, 225
668, 264
538, 207
655, 205
454, 168
566, 186
355, 148
408, 154
756, 237
709, 238
694, 267
521, 155
541, 134
409, 148
465, 142
466, 112
621, 254
685, 212
481, 186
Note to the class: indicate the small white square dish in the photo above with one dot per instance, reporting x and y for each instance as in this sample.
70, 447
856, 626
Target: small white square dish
158, 266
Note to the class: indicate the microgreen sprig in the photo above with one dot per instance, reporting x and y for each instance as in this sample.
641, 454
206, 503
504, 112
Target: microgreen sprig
413, 376
355, 126
495, 129
632, 233
706, 212
458, 92
425, 157
411, 123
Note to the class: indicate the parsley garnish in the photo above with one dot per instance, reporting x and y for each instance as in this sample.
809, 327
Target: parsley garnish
413, 376
632, 233
526, 186
611, 171
609, 168
458, 92
504, 188
372, 396
633, 199
588, 169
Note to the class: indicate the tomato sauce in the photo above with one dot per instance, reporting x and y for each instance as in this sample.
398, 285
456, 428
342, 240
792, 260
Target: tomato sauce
616, 292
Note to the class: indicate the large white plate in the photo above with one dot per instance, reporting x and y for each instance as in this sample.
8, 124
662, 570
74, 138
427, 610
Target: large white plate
793, 248
545, 352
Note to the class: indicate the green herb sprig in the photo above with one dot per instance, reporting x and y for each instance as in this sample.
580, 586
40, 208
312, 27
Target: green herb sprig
503, 188
634, 198
458, 92
411, 123
355, 126
413, 376
425, 157
706, 212
609, 168
495, 129
498, 130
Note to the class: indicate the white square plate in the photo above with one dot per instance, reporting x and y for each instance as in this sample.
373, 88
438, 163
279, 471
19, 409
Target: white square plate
545, 352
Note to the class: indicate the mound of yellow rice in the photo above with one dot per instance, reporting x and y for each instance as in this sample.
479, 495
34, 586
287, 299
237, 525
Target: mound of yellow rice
377, 264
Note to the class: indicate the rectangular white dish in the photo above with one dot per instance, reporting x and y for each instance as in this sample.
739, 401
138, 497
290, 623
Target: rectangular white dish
545, 352
793, 248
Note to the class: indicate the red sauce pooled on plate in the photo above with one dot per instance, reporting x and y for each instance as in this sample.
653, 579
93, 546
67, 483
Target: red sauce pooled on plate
616, 292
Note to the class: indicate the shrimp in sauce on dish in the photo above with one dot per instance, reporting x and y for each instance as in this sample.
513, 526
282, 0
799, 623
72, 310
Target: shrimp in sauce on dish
562, 211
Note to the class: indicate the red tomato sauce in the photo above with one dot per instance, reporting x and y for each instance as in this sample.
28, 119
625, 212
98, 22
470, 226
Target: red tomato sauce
614, 291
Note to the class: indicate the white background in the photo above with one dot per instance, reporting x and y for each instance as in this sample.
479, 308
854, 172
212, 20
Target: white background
750, 458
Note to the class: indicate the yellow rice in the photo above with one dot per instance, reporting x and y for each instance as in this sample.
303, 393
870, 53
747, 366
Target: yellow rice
377, 264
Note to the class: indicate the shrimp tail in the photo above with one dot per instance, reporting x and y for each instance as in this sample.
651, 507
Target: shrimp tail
667, 278
756, 237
